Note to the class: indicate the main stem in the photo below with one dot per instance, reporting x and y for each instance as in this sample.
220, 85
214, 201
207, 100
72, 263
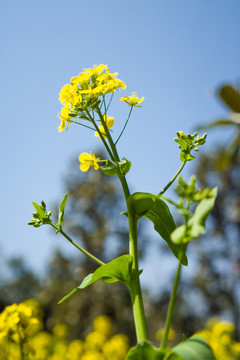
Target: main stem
135, 289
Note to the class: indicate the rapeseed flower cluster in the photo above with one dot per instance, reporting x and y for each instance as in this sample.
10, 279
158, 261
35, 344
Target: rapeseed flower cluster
219, 335
85, 103
85, 92
22, 338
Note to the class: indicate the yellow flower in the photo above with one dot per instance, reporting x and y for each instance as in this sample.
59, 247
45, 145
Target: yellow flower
132, 100
88, 160
103, 324
95, 70
116, 348
92, 355
61, 331
82, 79
109, 121
95, 341
64, 117
159, 334
69, 94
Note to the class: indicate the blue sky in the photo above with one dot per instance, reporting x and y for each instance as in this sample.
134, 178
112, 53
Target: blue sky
174, 53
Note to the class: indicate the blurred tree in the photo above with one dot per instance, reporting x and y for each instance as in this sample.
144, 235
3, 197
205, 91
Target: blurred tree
20, 284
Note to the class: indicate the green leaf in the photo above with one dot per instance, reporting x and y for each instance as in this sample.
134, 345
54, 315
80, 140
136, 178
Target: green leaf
185, 156
146, 351
118, 269
157, 211
195, 348
39, 210
112, 167
124, 166
196, 225
61, 212
231, 97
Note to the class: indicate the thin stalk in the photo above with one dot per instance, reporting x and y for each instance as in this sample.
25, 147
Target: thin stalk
105, 108
171, 307
109, 102
89, 127
115, 155
173, 179
94, 258
124, 126
101, 136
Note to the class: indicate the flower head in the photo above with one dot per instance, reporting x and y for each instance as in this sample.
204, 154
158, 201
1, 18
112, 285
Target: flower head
109, 121
88, 160
132, 100
86, 91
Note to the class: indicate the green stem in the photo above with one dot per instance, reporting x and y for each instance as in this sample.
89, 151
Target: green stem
88, 127
124, 126
101, 136
94, 258
171, 307
115, 155
109, 102
173, 179
135, 289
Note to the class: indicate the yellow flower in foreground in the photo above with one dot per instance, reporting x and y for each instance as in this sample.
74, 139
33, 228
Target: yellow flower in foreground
132, 100
109, 121
219, 335
88, 160
159, 334
103, 325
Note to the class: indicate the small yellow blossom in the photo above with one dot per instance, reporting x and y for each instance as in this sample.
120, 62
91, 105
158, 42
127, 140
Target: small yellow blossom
88, 160
61, 331
103, 324
95, 70
159, 334
132, 100
64, 117
69, 94
95, 341
109, 121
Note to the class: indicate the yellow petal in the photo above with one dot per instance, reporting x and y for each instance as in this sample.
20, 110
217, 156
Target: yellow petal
84, 166
84, 157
